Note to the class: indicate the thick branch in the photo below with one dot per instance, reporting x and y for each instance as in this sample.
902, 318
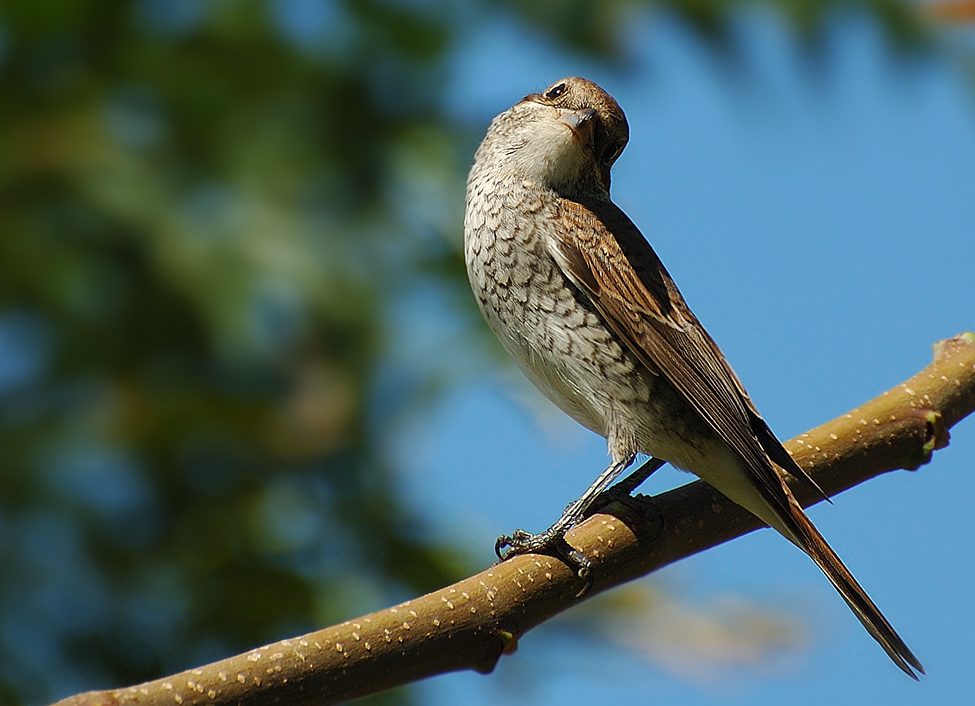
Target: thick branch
471, 624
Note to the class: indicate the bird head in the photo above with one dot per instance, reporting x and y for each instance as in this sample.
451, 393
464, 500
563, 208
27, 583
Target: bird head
566, 137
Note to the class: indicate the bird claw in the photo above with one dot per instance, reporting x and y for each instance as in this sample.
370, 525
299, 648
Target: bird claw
614, 494
522, 542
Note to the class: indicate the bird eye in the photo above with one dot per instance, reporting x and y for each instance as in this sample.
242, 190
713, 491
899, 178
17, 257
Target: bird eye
555, 91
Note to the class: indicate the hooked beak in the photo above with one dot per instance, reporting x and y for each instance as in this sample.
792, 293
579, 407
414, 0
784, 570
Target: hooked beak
579, 121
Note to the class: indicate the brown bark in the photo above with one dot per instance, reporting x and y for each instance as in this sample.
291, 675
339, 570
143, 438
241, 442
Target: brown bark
470, 624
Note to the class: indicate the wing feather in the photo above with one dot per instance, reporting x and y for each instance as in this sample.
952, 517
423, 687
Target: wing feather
606, 256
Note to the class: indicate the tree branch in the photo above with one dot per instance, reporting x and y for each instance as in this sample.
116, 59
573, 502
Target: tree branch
470, 624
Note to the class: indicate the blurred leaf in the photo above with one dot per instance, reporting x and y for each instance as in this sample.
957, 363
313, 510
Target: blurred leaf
703, 644
210, 212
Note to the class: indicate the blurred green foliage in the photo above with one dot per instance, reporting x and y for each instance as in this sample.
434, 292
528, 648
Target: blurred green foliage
208, 209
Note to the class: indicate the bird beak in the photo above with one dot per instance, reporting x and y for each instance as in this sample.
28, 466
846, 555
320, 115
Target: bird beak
579, 121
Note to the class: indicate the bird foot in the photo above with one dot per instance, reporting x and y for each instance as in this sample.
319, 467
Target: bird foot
614, 494
552, 542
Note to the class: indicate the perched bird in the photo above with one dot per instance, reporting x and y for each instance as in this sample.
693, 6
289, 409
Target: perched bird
580, 300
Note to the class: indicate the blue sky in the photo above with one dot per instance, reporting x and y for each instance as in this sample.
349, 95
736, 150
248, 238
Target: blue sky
821, 223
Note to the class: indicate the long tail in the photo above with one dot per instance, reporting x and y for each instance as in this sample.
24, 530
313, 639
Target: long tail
807, 537
757, 487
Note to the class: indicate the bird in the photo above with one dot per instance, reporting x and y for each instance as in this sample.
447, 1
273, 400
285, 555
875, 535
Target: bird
580, 300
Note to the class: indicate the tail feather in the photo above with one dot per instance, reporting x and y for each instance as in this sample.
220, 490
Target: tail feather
758, 488
808, 538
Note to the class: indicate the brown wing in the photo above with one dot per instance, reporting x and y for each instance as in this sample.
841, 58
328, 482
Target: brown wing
607, 257
605, 254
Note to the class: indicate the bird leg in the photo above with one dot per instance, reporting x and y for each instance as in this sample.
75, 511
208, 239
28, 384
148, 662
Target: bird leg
553, 539
625, 487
